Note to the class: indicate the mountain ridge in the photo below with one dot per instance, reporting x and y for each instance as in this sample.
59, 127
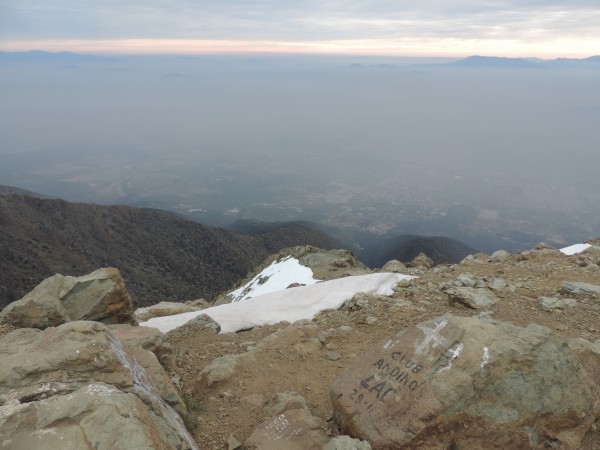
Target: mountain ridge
162, 256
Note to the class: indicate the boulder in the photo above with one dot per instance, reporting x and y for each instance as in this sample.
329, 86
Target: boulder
479, 258
476, 298
544, 246
100, 296
456, 382
500, 256
220, 369
498, 284
422, 260
163, 309
328, 264
553, 303
284, 401
359, 301
393, 266
464, 280
296, 429
60, 382
576, 288
199, 324
96, 415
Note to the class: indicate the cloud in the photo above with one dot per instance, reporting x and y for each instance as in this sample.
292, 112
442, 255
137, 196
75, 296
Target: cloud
302, 21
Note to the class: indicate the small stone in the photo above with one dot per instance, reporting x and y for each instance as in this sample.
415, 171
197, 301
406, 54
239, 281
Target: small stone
472, 297
233, 443
370, 320
254, 399
485, 315
347, 443
219, 370
497, 284
176, 379
284, 401
332, 356
345, 328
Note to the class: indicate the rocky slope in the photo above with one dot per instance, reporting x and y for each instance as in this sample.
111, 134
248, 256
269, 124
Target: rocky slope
251, 370
498, 352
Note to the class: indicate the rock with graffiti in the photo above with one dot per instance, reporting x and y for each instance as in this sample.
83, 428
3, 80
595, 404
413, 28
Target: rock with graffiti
471, 383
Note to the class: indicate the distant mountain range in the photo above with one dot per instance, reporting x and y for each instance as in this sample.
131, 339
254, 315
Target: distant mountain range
495, 62
475, 61
59, 57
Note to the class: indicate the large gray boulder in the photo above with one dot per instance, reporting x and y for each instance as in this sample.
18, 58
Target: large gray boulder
100, 296
457, 382
84, 370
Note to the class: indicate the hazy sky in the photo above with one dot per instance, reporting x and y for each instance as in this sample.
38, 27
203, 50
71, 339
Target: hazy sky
544, 28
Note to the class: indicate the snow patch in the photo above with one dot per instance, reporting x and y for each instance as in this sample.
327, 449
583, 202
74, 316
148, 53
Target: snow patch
276, 277
575, 249
300, 303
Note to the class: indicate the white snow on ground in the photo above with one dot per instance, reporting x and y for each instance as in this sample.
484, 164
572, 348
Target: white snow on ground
303, 302
575, 249
276, 277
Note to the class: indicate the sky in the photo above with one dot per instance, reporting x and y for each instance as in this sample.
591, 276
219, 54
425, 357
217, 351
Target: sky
533, 28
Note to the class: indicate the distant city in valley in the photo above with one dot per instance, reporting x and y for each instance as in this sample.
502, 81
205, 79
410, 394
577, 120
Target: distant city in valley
495, 152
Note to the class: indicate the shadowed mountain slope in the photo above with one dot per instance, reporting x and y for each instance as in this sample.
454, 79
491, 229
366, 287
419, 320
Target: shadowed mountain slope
161, 256
442, 250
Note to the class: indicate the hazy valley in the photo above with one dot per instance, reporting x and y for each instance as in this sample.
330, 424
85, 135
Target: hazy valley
496, 153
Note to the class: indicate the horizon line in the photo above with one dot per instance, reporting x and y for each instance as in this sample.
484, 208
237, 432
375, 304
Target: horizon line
432, 48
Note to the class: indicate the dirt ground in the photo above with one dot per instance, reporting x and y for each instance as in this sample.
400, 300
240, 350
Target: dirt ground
308, 357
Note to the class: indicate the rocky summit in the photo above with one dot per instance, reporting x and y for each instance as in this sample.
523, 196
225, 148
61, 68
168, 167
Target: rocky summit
496, 352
